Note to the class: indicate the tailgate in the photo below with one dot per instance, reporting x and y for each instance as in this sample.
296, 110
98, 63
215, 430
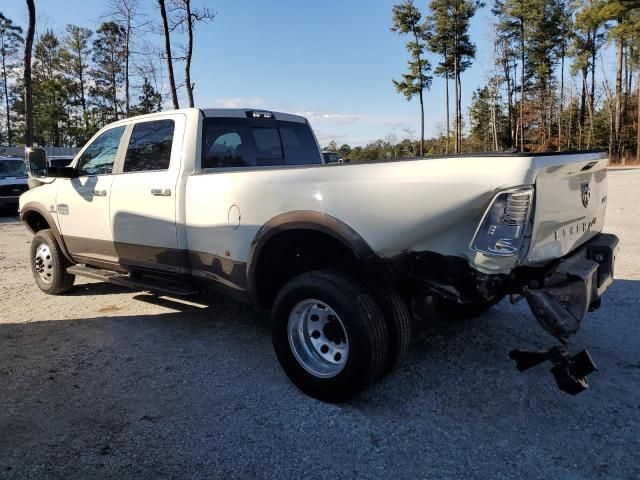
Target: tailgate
570, 203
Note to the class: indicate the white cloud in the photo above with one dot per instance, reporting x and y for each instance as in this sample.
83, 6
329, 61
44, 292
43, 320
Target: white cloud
330, 117
325, 138
240, 102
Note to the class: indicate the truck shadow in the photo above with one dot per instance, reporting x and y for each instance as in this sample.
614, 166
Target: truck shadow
209, 371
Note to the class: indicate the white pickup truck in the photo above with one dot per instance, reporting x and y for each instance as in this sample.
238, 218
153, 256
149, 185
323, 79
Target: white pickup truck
343, 255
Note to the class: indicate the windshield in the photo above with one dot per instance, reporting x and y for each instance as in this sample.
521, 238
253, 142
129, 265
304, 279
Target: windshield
12, 168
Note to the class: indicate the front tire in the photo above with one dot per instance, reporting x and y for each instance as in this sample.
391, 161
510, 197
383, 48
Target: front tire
329, 335
49, 265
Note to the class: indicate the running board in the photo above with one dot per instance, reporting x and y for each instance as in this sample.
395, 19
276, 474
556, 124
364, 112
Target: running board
161, 286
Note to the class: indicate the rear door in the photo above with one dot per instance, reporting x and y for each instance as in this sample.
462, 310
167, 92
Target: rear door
143, 195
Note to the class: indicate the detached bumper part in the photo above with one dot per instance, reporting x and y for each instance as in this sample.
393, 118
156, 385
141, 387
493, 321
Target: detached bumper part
570, 372
570, 290
574, 287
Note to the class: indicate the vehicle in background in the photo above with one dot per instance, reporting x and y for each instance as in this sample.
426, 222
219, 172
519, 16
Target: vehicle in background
331, 157
59, 160
13, 181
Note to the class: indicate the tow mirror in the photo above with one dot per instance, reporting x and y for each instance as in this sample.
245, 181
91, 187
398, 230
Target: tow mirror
39, 166
37, 162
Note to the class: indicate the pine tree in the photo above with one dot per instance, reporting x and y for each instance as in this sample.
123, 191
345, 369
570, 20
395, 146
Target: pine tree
513, 18
10, 44
407, 21
543, 54
50, 91
439, 42
150, 100
75, 58
449, 24
108, 72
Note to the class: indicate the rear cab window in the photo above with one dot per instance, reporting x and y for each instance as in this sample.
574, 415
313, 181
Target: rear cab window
262, 142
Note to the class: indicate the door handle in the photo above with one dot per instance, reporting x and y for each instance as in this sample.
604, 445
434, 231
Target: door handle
161, 192
100, 193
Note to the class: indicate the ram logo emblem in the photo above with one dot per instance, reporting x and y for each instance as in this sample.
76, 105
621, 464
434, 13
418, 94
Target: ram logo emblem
586, 193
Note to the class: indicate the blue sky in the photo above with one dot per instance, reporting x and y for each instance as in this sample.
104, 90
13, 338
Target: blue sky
329, 60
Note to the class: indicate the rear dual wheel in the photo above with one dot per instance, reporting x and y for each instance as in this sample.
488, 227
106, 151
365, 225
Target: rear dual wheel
331, 336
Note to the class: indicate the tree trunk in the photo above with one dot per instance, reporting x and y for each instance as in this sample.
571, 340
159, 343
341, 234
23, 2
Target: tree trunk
459, 109
126, 66
83, 100
507, 77
494, 114
167, 48
522, 83
446, 94
6, 90
561, 108
456, 78
421, 125
28, 92
187, 63
618, 111
583, 97
638, 112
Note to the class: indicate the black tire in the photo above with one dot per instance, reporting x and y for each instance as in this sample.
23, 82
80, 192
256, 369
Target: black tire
398, 320
363, 323
59, 281
450, 310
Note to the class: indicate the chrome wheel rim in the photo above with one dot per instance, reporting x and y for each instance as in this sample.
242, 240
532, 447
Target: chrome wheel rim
317, 338
43, 262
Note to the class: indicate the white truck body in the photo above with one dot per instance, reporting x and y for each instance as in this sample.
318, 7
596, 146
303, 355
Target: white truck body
432, 204
212, 221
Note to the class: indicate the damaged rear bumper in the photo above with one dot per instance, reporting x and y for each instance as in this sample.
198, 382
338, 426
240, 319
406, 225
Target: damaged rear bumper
559, 294
573, 287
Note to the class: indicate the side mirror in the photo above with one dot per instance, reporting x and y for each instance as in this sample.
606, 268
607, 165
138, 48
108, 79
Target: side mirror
37, 162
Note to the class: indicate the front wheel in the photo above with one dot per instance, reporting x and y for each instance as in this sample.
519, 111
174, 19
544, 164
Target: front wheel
329, 335
49, 265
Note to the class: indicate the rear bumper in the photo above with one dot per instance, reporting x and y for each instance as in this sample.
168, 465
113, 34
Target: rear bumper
574, 286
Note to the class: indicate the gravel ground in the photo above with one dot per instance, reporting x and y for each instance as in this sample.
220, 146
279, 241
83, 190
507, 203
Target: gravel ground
109, 383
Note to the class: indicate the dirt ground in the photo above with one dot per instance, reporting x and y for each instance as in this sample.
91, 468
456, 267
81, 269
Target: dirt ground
108, 383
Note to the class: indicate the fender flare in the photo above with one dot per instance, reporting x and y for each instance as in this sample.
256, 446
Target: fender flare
32, 207
304, 220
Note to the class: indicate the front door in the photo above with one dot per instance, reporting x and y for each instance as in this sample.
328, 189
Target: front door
143, 195
82, 203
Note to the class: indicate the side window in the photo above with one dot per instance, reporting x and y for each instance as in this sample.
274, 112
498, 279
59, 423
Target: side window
98, 158
150, 146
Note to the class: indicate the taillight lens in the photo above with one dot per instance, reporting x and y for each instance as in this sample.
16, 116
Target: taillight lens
502, 229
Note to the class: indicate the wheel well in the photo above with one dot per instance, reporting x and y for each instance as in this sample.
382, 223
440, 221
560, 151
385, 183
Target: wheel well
35, 221
293, 252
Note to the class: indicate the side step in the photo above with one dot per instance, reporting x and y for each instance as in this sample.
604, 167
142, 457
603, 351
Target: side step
161, 286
